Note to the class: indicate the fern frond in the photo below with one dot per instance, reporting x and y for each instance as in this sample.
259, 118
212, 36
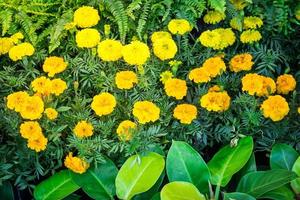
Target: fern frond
5, 20
143, 18
134, 5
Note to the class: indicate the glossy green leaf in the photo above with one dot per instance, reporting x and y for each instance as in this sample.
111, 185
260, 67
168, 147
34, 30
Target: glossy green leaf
281, 193
180, 190
186, 164
250, 166
6, 191
138, 174
237, 196
258, 183
283, 156
229, 160
58, 186
98, 183
296, 183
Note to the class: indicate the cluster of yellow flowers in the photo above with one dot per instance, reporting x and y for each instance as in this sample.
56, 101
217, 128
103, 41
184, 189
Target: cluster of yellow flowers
219, 38
215, 100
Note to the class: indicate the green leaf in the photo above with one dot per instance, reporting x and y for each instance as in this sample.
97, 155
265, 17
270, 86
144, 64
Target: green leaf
283, 192
258, 183
58, 186
6, 191
63, 108
185, 164
237, 196
180, 190
218, 5
156, 197
98, 183
296, 183
229, 160
283, 156
138, 174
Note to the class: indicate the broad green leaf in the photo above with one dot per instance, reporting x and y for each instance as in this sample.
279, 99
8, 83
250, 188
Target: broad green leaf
258, 183
250, 166
283, 156
237, 196
57, 187
186, 164
218, 5
73, 197
179, 190
6, 191
98, 183
281, 193
138, 174
229, 160
156, 197
296, 183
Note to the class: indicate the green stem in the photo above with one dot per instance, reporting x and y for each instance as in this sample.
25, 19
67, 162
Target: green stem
217, 193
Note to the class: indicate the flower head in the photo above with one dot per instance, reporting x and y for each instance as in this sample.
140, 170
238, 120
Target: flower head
275, 108
160, 35
241, 62
16, 100
86, 16
103, 103
258, 85
145, 111
54, 65
214, 66
21, 50
32, 108
126, 79
58, 86
136, 53
41, 85
252, 22
83, 129
110, 50
176, 88
76, 164
6, 44
285, 84
164, 48
213, 17
185, 113
37, 144
87, 38
199, 75
179, 26
51, 113
215, 101
250, 36
30, 130
125, 130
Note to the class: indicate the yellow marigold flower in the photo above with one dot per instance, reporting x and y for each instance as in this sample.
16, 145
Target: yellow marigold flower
103, 103
252, 22
213, 17
30, 130
214, 88
17, 37
275, 108
166, 75
214, 66
19, 51
32, 108
236, 24
285, 84
165, 48
16, 100
54, 65
51, 113
185, 113
42, 85
136, 53
125, 130
126, 79
269, 87
86, 16
160, 35
210, 39
199, 75
179, 26
258, 85
83, 129
110, 50
87, 38
37, 144
76, 164
5, 45
239, 4
250, 36
175, 87
145, 111
228, 38
215, 101
58, 86
241, 62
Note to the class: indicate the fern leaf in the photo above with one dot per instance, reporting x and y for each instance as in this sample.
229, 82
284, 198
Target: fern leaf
5, 20
135, 5
143, 19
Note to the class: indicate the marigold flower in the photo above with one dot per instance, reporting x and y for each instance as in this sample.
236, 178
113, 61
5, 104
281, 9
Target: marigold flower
258, 85
269, 87
199, 75
110, 50
250, 36
252, 22
83, 129
210, 39
126, 79
285, 84
275, 108
76, 164
125, 130
41, 85
51, 113
214, 66
213, 17
145, 111
21, 50
160, 35
37, 144
228, 38
6, 44
179, 26
166, 75
54, 65
241, 62
58, 86
136, 53
176, 88
16, 100
32, 108
164, 48
86, 16
17, 37
185, 113
103, 103
215, 101
30, 130
87, 38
